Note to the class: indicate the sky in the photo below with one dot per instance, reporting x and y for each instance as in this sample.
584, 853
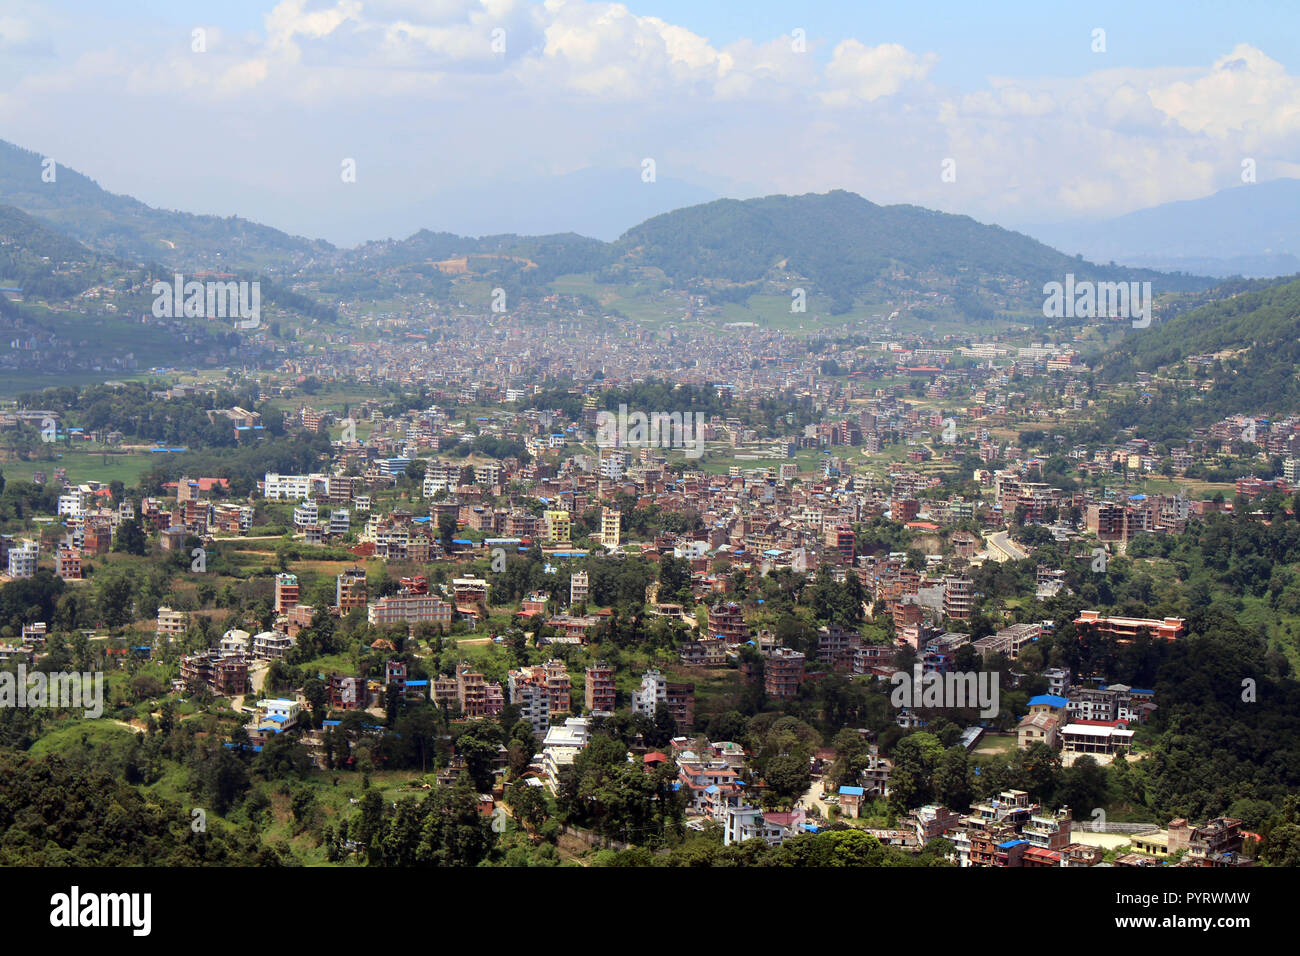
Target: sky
481, 116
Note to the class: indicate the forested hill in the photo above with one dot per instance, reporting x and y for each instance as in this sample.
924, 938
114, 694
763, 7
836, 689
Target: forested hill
837, 245
1246, 344
1256, 335
843, 243
127, 228
41, 261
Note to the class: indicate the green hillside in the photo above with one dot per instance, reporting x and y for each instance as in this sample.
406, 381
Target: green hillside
129, 229
843, 244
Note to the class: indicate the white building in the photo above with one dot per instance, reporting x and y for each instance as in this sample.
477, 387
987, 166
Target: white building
235, 642
578, 587
72, 505
562, 745
23, 559
305, 514
171, 623
612, 465
277, 714
749, 823
289, 487
533, 700
653, 692
271, 645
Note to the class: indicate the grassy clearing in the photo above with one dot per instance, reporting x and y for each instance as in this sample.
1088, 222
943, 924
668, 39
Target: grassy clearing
83, 466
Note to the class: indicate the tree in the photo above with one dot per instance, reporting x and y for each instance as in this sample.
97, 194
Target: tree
130, 538
446, 529
528, 804
788, 776
317, 696
674, 575
479, 754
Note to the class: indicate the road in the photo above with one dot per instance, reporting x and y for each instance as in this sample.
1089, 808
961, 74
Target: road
256, 676
1001, 549
814, 799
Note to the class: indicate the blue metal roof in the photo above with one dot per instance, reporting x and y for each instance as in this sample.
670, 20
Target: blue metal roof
1050, 700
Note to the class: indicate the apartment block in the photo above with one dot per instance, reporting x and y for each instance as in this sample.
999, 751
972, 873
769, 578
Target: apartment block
783, 673
599, 693
286, 592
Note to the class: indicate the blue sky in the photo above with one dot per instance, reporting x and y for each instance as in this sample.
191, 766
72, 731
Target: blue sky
1024, 37
448, 133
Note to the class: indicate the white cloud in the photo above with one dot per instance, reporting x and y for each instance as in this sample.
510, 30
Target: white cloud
1246, 91
860, 72
414, 87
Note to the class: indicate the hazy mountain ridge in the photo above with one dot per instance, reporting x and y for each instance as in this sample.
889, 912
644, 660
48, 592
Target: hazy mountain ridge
1251, 230
122, 226
837, 245
844, 243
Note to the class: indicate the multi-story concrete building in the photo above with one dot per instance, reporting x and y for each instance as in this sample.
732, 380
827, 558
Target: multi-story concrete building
305, 514
224, 676
611, 527
657, 689
67, 564
286, 592
578, 588
783, 673
1009, 641
558, 527
271, 645
350, 590
171, 624
405, 608
562, 744
958, 597
533, 700
23, 559
727, 623
1125, 629
599, 692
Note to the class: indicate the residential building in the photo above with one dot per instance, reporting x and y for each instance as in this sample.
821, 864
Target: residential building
558, 527
726, 622
406, 608
562, 744
67, 564
611, 535
599, 693
171, 624
350, 590
286, 592
1125, 629
783, 673
23, 559
656, 689
578, 588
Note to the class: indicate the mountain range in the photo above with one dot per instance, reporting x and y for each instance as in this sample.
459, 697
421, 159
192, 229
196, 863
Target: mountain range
837, 245
1251, 230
